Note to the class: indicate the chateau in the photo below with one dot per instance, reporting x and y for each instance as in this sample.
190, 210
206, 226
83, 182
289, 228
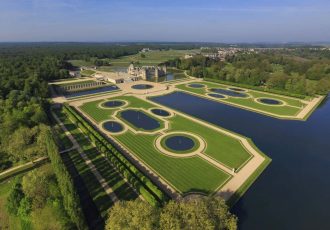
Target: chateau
147, 72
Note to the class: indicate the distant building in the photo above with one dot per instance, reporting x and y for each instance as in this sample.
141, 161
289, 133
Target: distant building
144, 50
114, 77
147, 72
187, 56
74, 73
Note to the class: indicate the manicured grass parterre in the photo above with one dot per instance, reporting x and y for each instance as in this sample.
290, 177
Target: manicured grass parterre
188, 174
291, 106
185, 174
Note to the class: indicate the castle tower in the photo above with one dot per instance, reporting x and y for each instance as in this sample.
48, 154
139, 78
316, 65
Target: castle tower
156, 73
164, 68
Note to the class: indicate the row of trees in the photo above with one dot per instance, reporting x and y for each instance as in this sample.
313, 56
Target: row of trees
141, 183
36, 198
71, 200
196, 213
271, 70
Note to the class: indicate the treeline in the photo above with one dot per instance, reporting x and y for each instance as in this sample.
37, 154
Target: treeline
84, 51
71, 200
270, 70
150, 192
192, 213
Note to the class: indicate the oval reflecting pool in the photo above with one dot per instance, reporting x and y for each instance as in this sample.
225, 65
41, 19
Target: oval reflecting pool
113, 126
179, 143
113, 104
216, 95
195, 85
270, 101
142, 86
140, 119
228, 92
237, 89
160, 112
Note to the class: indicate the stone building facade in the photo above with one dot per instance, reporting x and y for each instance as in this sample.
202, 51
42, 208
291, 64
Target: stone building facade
147, 72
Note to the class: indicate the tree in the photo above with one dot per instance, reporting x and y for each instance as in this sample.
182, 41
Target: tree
14, 199
35, 185
25, 207
195, 213
137, 215
277, 81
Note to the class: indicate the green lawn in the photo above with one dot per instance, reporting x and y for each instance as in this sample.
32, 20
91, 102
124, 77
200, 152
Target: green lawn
221, 147
87, 72
99, 114
185, 174
151, 58
292, 108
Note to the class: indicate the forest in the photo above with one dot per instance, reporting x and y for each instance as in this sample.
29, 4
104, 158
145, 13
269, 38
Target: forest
300, 71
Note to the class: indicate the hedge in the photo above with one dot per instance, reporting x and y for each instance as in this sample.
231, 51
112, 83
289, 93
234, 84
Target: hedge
256, 88
71, 200
139, 181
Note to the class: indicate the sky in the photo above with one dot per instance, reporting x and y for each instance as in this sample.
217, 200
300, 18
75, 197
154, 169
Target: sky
228, 21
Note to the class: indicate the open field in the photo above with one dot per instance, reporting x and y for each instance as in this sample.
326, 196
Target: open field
151, 57
185, 174
288, 106
87, 72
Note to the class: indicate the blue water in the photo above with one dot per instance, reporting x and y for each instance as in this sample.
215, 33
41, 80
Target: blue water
168, 77
139, 119
160, 112
195, 85
270, 101
237, 89
228, 92
142, 86
92, 91
113, 103
294, 191
113, 126
215, 95
179, 143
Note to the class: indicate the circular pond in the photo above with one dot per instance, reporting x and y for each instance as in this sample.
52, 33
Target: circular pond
216, 95
237, 89
113, 104
228, 92
113, 126
269, 101
142, 86
195, 85
160, 112
179, 143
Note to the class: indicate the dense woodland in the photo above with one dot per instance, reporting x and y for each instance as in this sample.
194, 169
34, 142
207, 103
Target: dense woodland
298, 71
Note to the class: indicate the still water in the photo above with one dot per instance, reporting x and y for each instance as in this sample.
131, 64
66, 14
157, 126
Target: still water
294, 191
139, 119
